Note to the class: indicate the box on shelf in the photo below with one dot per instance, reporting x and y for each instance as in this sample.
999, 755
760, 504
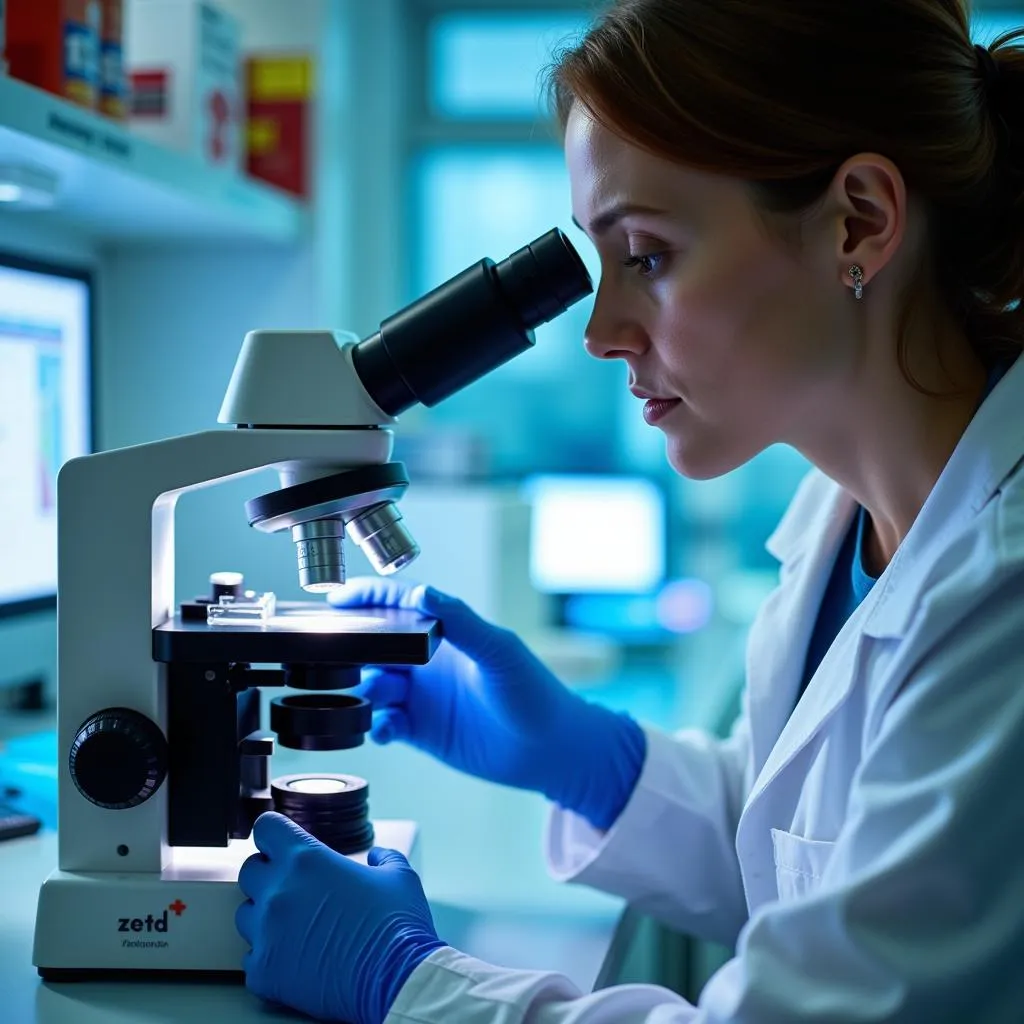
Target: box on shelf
113, 99
54, 45
184, 69
279, 91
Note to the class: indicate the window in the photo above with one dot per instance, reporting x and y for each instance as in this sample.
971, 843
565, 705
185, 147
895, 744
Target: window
487, 66
486, 176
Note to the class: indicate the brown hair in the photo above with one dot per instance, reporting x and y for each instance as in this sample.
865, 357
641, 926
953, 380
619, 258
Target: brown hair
781, 92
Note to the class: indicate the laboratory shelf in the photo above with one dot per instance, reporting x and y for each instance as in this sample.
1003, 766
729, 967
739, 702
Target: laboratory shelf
115, 186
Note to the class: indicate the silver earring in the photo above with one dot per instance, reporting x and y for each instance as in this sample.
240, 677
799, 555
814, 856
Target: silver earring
857, 274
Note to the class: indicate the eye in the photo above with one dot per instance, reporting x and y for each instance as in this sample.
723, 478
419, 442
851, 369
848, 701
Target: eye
647, 264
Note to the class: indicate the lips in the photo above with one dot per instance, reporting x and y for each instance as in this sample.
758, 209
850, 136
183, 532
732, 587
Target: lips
657, 408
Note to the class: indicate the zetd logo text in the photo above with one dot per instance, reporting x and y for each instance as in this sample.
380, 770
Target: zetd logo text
150, 923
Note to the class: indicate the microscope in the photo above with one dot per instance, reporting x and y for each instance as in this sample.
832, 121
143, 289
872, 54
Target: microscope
164, 761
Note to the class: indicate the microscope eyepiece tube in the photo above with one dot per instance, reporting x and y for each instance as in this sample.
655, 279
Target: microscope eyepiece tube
470, 325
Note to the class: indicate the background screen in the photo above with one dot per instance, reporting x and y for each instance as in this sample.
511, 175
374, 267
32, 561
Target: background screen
45, 341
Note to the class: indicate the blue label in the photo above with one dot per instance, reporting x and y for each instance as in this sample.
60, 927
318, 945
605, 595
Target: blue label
81, 54
111, 70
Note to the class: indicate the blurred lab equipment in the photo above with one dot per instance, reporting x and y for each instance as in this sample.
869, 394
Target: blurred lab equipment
596, 534
184, 65
15, 822
55, 45
164, 764
598, 554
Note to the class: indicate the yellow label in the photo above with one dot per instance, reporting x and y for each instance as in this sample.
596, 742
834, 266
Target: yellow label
114, 107
81, 93
281, 78
263, 135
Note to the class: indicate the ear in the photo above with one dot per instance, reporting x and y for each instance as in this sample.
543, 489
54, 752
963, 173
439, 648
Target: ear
870, 199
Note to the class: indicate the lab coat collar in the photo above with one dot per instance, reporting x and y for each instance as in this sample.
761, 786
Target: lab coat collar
990, 449
779, 637
818, 505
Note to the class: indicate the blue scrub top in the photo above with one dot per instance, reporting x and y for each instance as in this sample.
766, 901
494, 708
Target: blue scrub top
849, 584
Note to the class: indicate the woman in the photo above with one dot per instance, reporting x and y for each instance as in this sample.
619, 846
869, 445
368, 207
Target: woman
810, 218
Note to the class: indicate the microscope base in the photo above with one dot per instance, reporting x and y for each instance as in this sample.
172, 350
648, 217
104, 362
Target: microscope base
179, 922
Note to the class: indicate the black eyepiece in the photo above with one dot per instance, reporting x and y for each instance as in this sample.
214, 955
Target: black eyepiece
470, 325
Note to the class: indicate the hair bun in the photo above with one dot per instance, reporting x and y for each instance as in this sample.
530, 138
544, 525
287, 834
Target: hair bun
988, 68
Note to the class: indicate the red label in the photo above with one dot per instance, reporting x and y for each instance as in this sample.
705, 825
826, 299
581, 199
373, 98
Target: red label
149, 93
278, 144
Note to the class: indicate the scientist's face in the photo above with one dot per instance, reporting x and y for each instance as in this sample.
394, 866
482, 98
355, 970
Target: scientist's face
725, 327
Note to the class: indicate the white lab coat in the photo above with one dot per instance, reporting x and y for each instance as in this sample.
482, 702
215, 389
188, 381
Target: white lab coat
864, 851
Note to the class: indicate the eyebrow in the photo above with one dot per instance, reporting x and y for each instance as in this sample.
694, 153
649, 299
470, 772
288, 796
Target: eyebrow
610, 217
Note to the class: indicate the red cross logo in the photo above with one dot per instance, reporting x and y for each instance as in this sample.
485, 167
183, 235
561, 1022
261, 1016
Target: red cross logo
177, 906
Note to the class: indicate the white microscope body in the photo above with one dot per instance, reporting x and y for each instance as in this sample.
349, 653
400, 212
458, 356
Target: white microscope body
163, 761
122, 897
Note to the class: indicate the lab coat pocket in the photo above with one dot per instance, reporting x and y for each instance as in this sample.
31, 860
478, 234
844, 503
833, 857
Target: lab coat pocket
799, 863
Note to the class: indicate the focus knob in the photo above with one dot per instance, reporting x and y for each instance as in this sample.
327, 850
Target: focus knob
118, 758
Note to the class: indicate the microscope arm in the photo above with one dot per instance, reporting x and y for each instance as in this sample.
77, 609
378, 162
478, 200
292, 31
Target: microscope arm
115, 554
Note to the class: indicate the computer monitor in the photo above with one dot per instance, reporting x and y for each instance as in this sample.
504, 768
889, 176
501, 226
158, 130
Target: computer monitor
45, 417
596, 534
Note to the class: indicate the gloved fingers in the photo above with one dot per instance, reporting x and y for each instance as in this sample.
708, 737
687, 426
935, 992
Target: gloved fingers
470, 633
375, 592
389, 725
275, 835
381, 856
463, 628
383, 688
245, 921
255, 876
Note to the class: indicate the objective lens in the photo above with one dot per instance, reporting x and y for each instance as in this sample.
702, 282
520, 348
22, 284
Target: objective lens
320, 547
333, 808
384, 538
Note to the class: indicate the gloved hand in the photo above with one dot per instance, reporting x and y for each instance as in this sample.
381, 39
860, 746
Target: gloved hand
486, 705
330, 937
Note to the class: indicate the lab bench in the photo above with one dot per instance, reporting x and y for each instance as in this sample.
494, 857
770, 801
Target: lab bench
575, 945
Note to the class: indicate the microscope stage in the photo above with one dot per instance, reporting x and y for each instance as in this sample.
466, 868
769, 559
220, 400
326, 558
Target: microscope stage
305, 632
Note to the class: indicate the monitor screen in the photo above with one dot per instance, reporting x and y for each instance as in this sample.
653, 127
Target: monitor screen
45, 346
596, 534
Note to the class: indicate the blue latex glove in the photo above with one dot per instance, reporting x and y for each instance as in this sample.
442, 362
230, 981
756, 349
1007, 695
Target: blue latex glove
330, 937
486, 705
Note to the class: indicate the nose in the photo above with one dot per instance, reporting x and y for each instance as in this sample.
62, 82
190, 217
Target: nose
611, 333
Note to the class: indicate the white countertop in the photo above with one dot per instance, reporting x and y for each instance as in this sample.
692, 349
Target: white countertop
575, 947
